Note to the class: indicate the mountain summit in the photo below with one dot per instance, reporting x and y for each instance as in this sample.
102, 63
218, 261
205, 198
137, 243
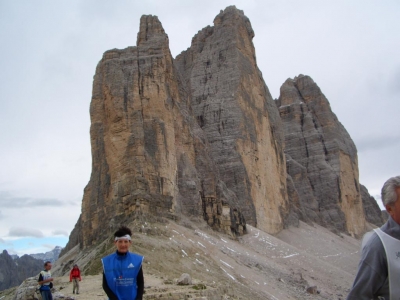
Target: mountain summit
200, 136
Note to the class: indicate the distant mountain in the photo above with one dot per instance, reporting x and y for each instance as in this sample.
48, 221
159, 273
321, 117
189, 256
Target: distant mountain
14, 271
48, 256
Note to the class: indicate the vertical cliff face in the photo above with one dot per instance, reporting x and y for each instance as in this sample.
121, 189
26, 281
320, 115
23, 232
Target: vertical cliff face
322, 158
136, 121
200, 136
149, 154
233, 106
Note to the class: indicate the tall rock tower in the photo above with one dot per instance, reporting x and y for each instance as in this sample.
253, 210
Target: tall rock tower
200, 136
322, 158
233, 106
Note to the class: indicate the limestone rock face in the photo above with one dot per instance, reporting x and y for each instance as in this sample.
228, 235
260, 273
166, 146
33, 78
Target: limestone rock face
200, 136
233, 106
372, 211
322, 158
140, 136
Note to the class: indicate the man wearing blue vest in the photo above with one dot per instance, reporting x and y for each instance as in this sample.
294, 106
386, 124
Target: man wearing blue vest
122, 271
379, 268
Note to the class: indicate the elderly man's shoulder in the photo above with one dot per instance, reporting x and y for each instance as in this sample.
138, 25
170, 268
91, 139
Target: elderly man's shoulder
371, 241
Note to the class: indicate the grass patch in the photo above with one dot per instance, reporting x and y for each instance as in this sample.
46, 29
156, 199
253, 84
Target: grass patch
199, 286
95, 266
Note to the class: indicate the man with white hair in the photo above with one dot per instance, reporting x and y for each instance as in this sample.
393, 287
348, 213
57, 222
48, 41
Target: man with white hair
378, 275
122, 270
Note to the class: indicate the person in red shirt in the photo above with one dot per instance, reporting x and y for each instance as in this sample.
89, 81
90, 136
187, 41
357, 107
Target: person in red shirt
75, 276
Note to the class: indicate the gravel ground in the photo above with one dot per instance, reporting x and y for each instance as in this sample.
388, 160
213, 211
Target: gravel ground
254, 266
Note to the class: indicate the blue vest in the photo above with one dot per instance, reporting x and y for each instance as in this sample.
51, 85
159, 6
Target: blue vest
121, 272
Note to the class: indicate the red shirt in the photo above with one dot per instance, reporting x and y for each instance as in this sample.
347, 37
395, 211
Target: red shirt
75, 273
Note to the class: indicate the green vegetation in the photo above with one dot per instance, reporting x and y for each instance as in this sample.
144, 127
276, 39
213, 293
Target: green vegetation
199, 286
95, 266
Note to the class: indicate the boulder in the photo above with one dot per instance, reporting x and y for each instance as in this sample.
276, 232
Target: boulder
185, 279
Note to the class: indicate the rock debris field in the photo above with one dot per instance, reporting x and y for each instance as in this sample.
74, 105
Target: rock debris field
305, 262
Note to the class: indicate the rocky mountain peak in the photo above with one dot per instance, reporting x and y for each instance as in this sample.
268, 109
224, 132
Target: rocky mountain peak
150, 28
200, 136
323, 161
231, 16
14, 271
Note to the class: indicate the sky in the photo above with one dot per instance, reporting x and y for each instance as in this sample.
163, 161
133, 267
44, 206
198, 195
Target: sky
49, 51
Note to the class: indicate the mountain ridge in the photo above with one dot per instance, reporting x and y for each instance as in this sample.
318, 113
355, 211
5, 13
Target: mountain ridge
14, 269
201, 136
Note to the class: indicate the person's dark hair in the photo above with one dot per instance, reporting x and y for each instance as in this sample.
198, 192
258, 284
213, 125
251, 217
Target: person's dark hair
123, 230
388, 192
47, 262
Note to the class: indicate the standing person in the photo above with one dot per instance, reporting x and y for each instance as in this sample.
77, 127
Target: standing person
75, 276
379, 268
45, 281
122, 271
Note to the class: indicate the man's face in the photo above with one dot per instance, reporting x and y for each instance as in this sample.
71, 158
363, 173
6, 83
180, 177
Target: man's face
122, 245
394, 209
48, 267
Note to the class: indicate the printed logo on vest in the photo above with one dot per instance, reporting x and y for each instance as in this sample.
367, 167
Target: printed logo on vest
397, 255
131, 265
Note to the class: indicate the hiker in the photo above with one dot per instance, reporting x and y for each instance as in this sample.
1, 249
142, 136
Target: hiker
75, 277
122, 271
379, 268
45, 281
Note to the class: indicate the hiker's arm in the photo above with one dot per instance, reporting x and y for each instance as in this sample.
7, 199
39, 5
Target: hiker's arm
107, 289
140, 285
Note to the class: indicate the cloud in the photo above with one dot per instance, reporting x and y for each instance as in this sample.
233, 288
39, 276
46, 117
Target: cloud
1, 216
49, 246
60, 232
24, 232
2, 241
377, 142
394, 82
9, 201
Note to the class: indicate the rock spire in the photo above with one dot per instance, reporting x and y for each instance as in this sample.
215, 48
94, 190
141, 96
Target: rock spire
322, 158
200, 136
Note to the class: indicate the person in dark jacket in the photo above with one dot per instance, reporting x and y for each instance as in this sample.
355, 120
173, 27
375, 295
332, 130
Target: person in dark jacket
75, 277
122, 270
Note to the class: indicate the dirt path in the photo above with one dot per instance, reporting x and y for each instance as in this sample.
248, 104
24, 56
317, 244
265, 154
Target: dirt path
155, 288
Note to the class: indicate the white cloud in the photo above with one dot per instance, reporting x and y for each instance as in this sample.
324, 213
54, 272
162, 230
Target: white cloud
24, 232
7, 200
60, 232
2, 241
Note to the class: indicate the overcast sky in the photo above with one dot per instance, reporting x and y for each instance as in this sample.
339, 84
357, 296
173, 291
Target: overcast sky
49, 51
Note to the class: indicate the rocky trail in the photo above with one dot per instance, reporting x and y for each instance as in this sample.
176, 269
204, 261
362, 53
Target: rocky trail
308, 262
